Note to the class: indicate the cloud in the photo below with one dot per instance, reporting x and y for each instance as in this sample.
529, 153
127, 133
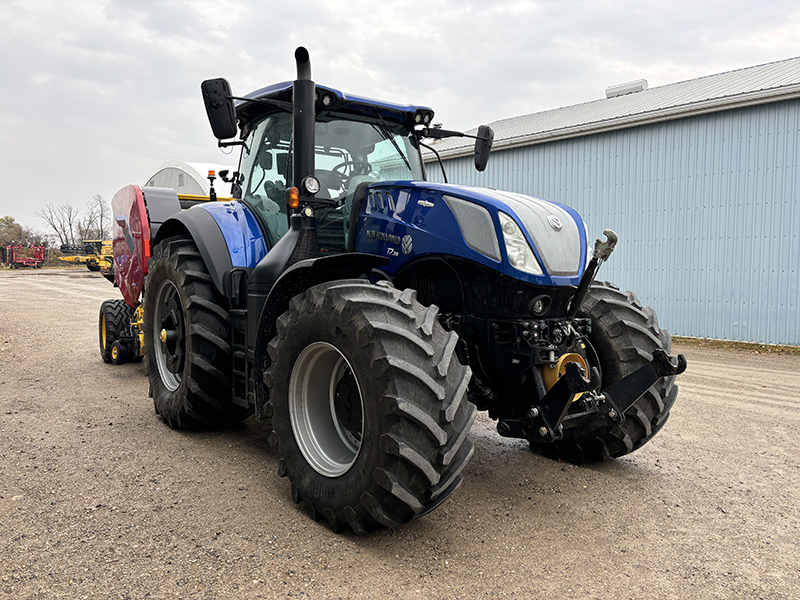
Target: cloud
94, 94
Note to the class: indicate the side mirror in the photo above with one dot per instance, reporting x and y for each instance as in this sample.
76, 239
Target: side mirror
219, 108
483, 145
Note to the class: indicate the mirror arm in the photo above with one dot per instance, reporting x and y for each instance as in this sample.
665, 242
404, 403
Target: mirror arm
285, 106
438, 158
439, 134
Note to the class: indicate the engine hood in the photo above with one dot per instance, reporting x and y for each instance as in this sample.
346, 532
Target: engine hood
555, 231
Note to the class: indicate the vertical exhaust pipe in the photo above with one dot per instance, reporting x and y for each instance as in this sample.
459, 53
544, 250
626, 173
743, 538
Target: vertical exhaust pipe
303, 63
303, 118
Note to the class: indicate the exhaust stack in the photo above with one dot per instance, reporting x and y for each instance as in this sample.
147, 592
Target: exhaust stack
303, 118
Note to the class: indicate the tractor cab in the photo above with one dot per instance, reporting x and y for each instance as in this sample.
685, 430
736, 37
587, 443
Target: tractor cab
356, 141
347, 154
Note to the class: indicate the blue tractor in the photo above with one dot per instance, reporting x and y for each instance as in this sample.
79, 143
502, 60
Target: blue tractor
368, 313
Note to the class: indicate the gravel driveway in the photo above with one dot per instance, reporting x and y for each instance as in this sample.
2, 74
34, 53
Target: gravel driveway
98, 499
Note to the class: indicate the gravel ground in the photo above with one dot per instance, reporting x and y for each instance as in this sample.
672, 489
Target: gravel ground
98, 499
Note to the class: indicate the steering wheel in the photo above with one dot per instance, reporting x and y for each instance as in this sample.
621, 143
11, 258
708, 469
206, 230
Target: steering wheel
357, 165
329, 180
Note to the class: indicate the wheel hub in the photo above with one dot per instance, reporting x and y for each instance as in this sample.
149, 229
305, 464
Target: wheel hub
169, 331
326, 409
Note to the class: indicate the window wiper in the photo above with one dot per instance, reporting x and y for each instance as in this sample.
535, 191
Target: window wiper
384, 131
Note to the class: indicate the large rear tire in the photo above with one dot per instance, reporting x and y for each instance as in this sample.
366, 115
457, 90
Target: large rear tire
624, 336
186, 333
115, 318
368, 403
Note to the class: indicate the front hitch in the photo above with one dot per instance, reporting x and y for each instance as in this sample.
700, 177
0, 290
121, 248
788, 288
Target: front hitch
544, 422
620, 396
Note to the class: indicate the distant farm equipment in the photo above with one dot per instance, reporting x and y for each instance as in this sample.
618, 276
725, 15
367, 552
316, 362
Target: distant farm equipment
97, 255
25, 256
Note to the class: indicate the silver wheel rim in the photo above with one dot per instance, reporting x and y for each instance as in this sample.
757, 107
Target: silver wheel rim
167, 317
326, 409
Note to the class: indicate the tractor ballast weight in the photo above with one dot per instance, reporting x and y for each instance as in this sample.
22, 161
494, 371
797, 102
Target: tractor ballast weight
368, 313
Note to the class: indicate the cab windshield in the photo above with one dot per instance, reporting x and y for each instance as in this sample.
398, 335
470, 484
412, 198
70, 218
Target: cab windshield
347, 154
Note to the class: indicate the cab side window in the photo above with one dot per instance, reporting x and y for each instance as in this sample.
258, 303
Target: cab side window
265, 167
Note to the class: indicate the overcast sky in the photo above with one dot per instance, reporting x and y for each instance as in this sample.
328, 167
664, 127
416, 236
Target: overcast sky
95, 94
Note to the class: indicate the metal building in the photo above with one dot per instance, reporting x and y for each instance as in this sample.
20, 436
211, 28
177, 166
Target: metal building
188, 178
700, 179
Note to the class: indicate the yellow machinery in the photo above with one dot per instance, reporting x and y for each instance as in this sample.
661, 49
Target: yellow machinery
97, 255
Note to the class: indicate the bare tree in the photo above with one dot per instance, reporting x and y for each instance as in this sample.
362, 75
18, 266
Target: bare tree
103, 211
71, 228
63, 220
96, 223
87, 227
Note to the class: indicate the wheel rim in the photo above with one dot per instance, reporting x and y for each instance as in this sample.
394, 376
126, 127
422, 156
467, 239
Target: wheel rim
168, 335
326, 409
103, 331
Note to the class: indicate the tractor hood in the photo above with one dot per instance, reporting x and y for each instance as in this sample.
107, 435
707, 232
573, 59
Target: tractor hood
556, 231
524, 237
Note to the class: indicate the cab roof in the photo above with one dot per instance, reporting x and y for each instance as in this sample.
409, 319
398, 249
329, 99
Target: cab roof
358, 108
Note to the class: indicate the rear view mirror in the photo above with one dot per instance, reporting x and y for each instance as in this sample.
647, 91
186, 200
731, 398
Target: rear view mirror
483, 145
219, 108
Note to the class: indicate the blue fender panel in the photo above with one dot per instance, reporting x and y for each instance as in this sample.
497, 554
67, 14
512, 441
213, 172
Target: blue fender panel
205, 232
227, 235
246, 242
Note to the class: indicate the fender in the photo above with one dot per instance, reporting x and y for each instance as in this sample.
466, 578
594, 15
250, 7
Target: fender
295, 280
227, 235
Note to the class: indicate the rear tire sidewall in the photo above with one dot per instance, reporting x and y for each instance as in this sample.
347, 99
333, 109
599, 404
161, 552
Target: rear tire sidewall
345, 489
171, 403
203, 398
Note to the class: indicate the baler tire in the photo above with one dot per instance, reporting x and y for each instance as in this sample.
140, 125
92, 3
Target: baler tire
404, 453
624, 336
119, 355
190, 373
115, 316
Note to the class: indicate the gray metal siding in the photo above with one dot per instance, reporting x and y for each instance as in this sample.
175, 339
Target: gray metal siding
707, 210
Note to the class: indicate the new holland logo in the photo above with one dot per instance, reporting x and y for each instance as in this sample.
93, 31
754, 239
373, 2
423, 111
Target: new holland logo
406, 243
555, 222
383, 237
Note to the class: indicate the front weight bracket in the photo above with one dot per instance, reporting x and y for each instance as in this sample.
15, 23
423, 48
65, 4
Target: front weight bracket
621, 395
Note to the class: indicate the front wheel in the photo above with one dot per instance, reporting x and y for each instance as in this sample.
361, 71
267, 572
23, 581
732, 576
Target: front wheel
186, 333
624, 336
368, 404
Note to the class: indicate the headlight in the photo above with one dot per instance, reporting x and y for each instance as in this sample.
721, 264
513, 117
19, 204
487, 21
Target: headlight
310, 185
520, 255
